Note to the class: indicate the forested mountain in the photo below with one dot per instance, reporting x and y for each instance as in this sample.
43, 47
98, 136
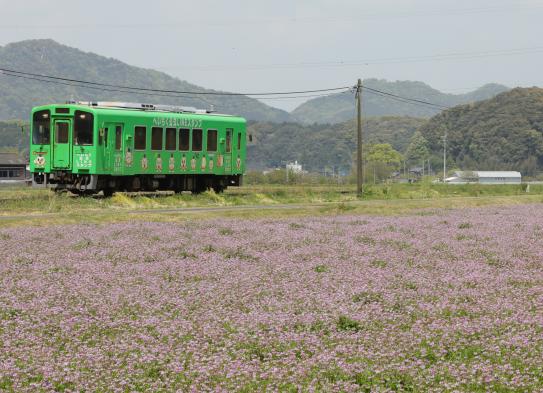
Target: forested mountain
505, 132
340, 107
18, 95
318, 146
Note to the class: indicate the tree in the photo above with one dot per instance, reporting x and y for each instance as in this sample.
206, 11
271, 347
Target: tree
381, 159
417, 150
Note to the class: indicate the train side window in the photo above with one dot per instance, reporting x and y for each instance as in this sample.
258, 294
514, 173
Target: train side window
184, 139
211, 140
140, 138
197, 139
228, 140
118, 138
156, 138
170, 138
239, 140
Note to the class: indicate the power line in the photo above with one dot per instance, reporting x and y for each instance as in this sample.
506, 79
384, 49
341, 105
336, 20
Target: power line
93, 87
171, 91
414, 100
185, 94
157, 94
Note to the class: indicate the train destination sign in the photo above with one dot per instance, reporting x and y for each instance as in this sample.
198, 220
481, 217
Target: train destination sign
177, 122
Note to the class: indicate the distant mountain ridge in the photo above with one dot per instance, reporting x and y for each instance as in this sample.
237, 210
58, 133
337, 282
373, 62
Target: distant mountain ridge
45, 56
337, 108
502, 133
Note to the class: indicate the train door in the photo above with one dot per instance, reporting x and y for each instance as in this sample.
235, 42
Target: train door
105, 139
117, 146
61, 144
228, 150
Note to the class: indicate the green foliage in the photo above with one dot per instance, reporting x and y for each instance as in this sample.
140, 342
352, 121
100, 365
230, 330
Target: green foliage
381, 160
348, 324
321, 268
13, 136
367, 297
385, 154
319, 146
503, 133
417, 149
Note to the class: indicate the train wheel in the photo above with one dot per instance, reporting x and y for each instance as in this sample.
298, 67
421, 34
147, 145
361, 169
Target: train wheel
108, 192
218, 188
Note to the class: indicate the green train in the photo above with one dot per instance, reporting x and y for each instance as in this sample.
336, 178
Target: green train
87, 147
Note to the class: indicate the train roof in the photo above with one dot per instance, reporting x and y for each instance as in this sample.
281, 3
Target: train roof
146, 110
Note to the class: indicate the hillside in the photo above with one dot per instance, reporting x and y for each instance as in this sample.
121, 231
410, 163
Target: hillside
340, 107
505, 132
14, 136
48, 57
318, 146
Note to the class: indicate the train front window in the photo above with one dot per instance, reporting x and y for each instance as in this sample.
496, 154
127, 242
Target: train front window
41, 128
83, 128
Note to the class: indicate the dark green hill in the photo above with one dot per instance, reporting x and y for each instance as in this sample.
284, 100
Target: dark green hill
503, 133
323, 145
14, 136
340, 107
48, 57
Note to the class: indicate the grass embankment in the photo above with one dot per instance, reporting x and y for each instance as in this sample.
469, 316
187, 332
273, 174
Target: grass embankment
43, 207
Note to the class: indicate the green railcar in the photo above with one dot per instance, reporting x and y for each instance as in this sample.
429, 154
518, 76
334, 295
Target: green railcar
91, 147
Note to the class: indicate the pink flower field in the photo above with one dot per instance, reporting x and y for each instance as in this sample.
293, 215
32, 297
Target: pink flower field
436, 301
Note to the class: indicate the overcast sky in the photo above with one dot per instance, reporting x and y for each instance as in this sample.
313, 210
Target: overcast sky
284, 45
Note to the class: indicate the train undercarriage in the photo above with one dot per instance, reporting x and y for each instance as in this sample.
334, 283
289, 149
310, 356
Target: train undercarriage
92, 184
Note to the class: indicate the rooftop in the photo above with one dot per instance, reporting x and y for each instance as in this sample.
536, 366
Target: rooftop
11, 159
488, 174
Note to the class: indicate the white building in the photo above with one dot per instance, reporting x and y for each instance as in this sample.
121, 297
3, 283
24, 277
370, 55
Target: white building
485, 177
294, 167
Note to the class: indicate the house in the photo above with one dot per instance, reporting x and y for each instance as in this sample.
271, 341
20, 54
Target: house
485, 177
12, 168
294, 167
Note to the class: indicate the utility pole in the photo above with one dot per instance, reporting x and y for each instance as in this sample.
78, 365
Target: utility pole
444, 156
359, 139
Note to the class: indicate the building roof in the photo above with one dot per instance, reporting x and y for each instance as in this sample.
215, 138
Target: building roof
483, 174
11, 159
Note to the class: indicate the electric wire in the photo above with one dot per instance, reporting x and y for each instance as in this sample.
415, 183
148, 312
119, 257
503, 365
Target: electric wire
184, 94
159, 94
172, 91
395, 96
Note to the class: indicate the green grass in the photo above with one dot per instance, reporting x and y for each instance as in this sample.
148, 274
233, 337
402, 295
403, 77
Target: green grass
30, 206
